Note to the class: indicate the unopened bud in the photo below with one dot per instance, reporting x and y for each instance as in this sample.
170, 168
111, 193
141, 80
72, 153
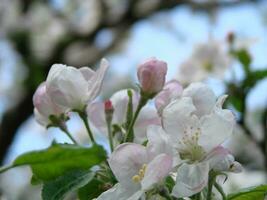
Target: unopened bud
151, 75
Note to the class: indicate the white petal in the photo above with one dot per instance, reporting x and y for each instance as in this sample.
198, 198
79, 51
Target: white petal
95, 83
220, 159
42, 120
157, 170
96, 114
203, 98
191, 179
67, 87
126, 161
159, 143
119, 193
176, 117
147, 116
216, 127
87, 72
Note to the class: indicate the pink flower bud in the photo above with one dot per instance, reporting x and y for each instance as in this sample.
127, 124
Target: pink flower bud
151, 75
108, 106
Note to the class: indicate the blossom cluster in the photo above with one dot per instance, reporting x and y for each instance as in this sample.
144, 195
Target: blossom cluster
180, 138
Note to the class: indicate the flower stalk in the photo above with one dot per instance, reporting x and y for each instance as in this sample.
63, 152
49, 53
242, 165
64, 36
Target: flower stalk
130, 133
83, 116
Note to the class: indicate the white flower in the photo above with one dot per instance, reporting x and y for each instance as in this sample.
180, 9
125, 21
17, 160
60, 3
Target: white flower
137, 169
207, 59
119, 100
197, 124
74, 88
44, 107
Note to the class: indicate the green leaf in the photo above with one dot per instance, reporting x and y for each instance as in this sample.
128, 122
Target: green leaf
254, 76
70, 182
252, 193
244, 58
58, 159
92, 190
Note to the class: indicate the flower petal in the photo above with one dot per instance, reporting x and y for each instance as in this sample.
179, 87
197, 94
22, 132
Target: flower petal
87, 73
176, 117
191, 179
95, 83
159, 143
96, 115
148, 116
67, 86
171, 91
203, 97
156, 171
216, 127
119, 193
126, 161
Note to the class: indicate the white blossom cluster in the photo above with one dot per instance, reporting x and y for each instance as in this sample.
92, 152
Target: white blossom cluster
181, 137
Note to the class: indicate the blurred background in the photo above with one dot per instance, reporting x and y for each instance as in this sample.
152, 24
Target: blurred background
34, 34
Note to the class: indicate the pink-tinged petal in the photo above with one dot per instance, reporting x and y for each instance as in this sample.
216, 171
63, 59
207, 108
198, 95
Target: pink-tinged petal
177, 116
43, 103
191, 179
203, 98
158, 142
216, 127
87, 73
148, 116
172, 90
118, 192
96, 115
220, 159
156, 171
126, 161
95, 83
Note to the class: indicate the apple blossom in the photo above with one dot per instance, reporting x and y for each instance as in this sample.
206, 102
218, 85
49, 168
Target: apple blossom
196, 124
119, 100
74, 88
207, 59
151, 75
137, 171
44, 108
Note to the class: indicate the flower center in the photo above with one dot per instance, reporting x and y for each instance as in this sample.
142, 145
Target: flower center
207, 65
189, 149
139, 177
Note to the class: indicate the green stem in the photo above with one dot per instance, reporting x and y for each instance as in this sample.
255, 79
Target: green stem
129, 134
83, 116
220, 190
110, 135
3, 169
65, 130
210, 185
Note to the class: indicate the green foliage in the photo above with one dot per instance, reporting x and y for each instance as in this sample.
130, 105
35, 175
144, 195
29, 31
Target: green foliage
58, 159
253, 77
252, 193
70, 182
92, 190
244, 58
